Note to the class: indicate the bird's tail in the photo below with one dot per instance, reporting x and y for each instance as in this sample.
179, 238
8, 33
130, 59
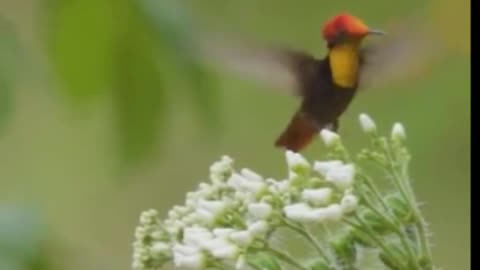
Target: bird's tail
299, 133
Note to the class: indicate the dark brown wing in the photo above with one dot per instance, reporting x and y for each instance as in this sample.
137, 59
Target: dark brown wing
406, 50
280, 68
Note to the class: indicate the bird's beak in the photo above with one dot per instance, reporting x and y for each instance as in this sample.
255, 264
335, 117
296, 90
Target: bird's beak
376, 32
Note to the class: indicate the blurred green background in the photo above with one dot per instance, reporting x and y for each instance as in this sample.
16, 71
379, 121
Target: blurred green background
105, 112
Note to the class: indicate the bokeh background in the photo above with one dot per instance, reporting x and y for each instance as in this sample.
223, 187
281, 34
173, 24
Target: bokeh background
105, 111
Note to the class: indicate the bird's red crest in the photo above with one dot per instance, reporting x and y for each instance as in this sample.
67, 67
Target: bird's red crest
346, 23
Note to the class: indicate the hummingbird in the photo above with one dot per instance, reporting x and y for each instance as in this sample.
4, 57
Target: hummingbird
326, 86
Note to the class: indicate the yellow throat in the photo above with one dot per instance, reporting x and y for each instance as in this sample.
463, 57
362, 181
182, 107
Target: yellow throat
344, 63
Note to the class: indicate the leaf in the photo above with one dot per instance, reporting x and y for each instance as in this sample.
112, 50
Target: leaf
138, 89
262, 261
9, 66
80, 37
204, 94
5, 101
115, 47
175, 30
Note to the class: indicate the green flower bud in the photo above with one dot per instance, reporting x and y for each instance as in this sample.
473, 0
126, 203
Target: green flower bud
400, 209
425, 263
362, 239
389, 262
375, 222
298, 180
316, 182
344, 247
319, 264
262, 261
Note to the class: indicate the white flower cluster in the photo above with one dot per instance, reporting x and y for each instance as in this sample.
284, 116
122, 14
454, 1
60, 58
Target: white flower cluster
223, 218
150, 248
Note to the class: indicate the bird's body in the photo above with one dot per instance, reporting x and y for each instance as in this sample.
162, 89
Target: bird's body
324, 99
328, 85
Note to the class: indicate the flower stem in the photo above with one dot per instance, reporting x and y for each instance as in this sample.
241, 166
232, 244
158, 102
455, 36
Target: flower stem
369, 184
405, 188
309, 238
419, 222
219, 265
366, 229
396, 227
285, 257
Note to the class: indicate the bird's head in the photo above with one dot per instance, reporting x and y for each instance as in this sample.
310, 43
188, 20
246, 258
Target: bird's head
345, 27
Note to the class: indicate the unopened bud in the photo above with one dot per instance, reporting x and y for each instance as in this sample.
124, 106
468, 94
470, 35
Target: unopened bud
344, 247
375, 222
400, 208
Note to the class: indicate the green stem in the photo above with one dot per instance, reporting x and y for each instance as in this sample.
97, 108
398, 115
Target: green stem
409, 195
366, 229
309, 238
396, 227
419, 222
218, 265
369, 184
399, 184
285, 257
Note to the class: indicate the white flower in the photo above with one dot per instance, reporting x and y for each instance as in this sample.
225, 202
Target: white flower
188, 256
320, 196
212, 206
140, 232
204, 216
258, 228
240, 262
208, 211
367, 123
398, 132
204, 190
222, 232
322, 167
244, 197
341, 176
295, 160
221, 248
241, 183
173, 214
174, 226
349, 203
191, 261
226, 252
148, 217
304, 213
191, 218
278, 187
331, 213
251, 175
260, 210
158, 235
139, 265
329, 137
298, 212
242, 238
220, 169
215, 243
159, 248
177, 212
196, 236
184, 250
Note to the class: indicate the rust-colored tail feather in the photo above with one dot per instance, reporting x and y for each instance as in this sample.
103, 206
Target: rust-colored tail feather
298, 134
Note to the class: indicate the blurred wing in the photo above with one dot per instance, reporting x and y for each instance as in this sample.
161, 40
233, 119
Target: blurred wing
282, 69
404, 52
